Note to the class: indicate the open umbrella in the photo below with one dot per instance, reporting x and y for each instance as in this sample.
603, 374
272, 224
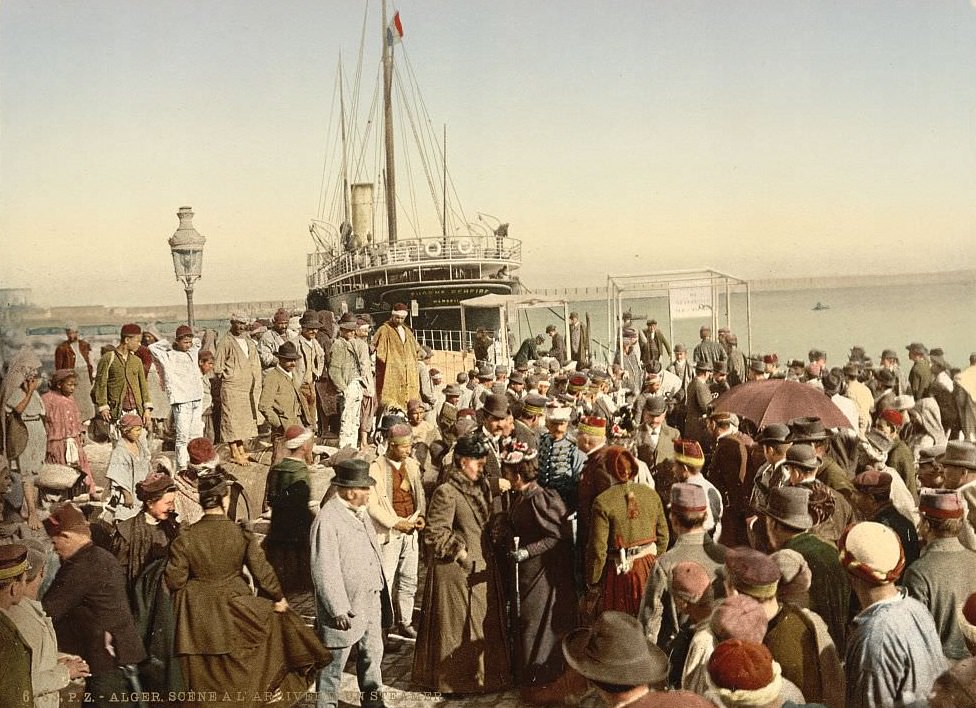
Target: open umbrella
779, 401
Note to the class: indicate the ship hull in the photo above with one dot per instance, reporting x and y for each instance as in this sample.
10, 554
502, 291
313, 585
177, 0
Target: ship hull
438, 304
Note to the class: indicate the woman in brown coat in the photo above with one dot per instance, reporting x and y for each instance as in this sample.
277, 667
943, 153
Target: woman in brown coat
461, 647
228, 640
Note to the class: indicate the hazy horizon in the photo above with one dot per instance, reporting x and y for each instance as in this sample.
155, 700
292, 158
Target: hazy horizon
765, 140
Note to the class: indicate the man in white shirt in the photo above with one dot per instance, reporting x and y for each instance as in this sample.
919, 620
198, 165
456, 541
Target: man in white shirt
184, 386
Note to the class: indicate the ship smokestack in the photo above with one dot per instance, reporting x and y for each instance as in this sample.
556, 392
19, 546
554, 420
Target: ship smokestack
362, 213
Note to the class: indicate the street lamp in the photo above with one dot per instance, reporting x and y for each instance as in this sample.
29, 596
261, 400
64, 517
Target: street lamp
186, 245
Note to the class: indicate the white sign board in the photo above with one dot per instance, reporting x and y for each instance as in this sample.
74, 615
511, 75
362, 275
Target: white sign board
690, 301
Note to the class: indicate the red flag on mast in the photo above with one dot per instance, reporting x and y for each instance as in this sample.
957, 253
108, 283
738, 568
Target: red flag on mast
394, 32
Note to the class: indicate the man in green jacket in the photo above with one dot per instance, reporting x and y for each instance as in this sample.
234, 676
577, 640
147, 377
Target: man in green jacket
120, 381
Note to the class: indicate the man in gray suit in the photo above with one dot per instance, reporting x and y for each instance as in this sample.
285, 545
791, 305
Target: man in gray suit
350, 591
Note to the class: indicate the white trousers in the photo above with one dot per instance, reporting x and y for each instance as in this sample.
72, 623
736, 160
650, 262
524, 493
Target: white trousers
400, 558
351, 409
187, 424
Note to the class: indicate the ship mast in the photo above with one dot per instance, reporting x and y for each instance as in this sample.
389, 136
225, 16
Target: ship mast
345, 160
388, 131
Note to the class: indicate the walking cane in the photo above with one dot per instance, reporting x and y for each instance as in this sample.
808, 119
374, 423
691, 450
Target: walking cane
515, 621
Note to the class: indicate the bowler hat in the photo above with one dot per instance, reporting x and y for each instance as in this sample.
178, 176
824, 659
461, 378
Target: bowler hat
353, 473
496, 405
288, 352
807, 429
485, 373
960, 453
757, 366
917, 348
774, 434
720, 368
790, 506
656, 405
703, 366
802, 456
615, 650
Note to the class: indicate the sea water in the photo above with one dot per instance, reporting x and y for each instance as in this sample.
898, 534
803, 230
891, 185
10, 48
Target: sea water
785, 322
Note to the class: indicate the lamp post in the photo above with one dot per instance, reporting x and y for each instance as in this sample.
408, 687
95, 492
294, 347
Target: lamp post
186, 244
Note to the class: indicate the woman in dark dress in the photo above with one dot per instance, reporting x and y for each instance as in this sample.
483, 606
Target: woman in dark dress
462, 646
547, 590
228, 639
141, 545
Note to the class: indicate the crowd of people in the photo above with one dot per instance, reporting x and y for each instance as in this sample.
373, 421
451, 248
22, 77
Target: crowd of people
540, 523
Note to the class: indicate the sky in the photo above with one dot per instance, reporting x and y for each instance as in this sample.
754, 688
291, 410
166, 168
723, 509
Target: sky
764, 139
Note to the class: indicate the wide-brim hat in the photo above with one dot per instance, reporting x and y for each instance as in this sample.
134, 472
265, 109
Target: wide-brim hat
703, 366
615, 650
807, 429
288, 352
452, 390
353, 473
310, 320
960, 453
790, 506
496, 405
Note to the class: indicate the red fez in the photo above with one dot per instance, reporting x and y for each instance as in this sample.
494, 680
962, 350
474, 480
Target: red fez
201, 452
184, 331
131, 330
741, 666
894, 417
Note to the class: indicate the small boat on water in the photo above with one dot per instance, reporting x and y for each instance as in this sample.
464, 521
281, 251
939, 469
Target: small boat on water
820, 306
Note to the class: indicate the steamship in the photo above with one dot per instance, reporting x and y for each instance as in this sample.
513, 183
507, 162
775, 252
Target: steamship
362, 263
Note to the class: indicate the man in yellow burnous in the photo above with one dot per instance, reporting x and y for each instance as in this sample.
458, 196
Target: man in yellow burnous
397, 380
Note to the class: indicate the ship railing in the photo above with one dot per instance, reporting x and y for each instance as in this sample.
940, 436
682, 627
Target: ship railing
323, 266
445, 340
